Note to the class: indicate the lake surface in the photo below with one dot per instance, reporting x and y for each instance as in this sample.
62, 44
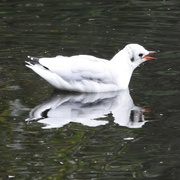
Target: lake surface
131, 134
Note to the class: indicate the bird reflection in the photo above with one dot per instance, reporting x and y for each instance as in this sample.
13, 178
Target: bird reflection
90, 109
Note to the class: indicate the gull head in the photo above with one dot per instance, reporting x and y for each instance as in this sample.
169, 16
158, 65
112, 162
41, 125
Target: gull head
138, 54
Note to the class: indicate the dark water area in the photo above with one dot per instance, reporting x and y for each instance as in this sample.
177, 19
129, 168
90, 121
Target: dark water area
131, 134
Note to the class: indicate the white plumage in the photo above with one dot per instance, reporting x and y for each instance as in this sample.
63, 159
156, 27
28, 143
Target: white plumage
85, 73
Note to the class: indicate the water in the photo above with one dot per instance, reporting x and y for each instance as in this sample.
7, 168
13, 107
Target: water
103, 143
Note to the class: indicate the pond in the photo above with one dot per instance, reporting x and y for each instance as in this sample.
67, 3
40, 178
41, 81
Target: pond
131, 134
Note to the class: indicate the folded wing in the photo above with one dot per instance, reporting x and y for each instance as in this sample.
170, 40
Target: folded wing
79, 68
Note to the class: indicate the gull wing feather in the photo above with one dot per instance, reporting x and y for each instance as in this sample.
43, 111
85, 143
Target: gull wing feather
78, 68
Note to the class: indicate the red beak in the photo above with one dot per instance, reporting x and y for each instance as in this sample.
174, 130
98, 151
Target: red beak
145, 110
152, 52
149, 57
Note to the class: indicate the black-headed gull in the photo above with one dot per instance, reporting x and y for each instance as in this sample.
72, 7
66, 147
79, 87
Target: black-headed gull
85, 73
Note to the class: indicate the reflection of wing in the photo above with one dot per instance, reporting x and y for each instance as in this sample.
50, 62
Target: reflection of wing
82, 67
64, 108
61, 109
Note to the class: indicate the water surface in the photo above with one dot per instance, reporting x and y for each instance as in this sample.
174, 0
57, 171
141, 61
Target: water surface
96, 146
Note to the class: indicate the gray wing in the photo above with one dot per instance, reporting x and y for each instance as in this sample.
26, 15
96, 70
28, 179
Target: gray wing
78, 68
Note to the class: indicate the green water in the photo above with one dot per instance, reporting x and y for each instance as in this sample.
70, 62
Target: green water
76, 148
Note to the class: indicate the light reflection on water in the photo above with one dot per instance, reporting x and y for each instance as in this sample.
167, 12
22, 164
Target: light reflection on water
89, 109
76, 151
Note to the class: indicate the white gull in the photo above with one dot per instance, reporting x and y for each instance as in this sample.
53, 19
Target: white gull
85, 73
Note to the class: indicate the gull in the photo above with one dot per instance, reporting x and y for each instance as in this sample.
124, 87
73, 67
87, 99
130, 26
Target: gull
86, 73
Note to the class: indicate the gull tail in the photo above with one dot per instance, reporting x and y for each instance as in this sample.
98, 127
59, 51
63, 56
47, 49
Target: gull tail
34, 60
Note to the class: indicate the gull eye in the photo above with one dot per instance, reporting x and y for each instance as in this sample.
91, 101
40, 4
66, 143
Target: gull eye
140, 55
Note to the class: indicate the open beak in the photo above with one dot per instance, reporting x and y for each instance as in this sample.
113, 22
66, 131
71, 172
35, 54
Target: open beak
149, 57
